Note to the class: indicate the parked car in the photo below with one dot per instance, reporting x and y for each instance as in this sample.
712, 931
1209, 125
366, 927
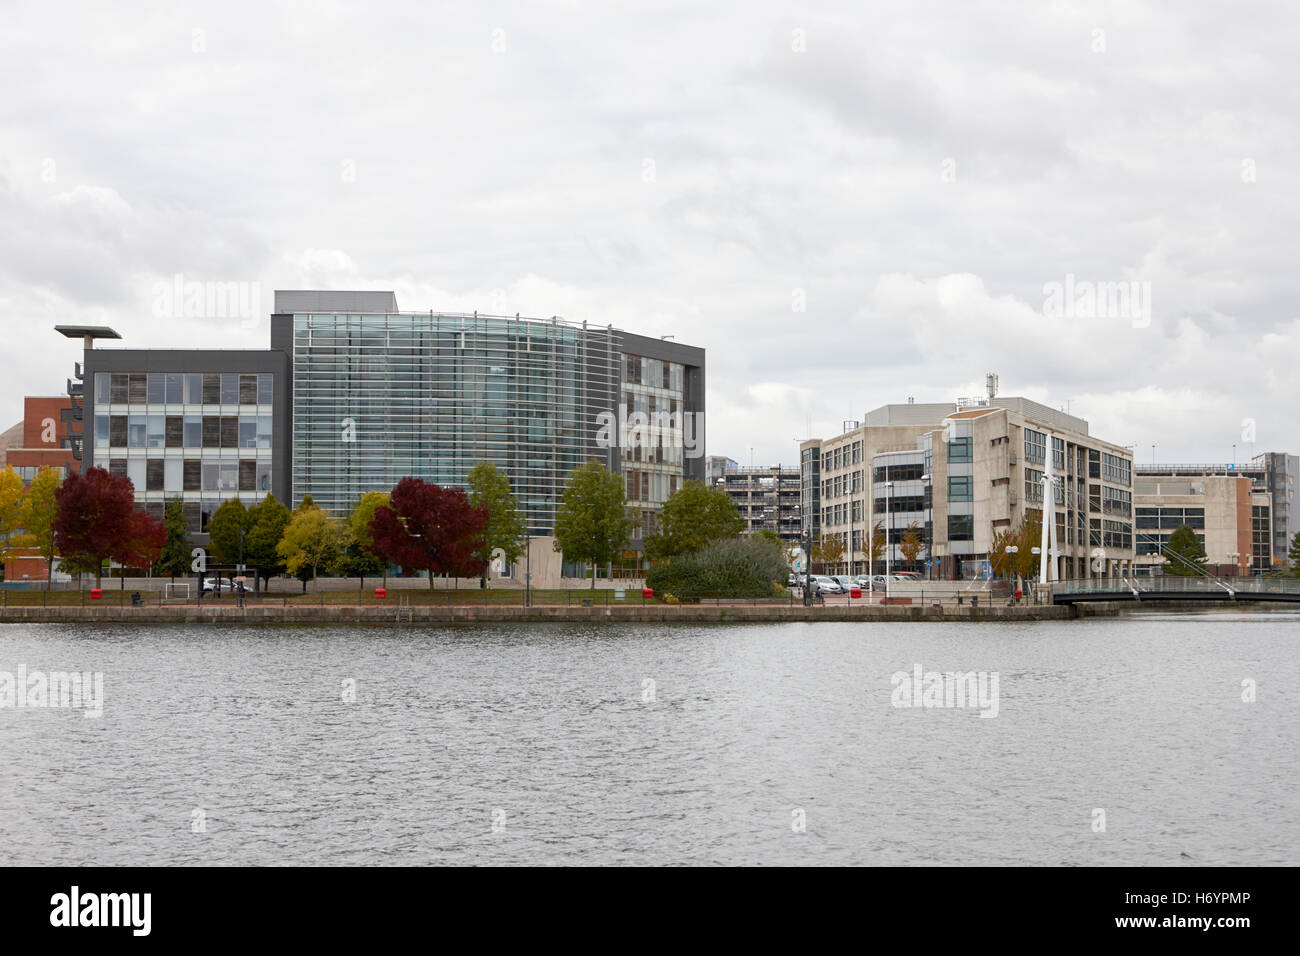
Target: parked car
846, 582
221, 586
826, 585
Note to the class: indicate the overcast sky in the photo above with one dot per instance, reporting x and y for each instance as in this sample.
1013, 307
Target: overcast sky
845, 204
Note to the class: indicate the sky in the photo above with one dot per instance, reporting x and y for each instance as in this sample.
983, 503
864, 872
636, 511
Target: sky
846, 204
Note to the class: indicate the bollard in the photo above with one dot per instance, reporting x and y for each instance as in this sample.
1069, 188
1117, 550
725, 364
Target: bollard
381, 592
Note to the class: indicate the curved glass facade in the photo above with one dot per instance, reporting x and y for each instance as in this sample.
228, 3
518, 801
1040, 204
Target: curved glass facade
380, 397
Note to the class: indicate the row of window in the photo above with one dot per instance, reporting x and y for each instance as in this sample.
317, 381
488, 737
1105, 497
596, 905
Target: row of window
649, 486
182, 431
653, 372
909, 472
1116, 501
29, 472
177, 388
1116, 468
843, 456
841, 485
194, 474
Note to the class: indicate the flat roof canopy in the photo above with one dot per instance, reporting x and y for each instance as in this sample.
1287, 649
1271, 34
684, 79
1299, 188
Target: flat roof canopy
87, 331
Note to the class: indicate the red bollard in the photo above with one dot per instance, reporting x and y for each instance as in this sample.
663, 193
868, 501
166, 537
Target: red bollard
381, 592
96, 593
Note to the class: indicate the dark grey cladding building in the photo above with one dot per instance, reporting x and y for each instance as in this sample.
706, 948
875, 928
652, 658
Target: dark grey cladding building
354, 395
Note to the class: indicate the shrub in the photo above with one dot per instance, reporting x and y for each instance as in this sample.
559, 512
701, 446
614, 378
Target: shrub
738, 567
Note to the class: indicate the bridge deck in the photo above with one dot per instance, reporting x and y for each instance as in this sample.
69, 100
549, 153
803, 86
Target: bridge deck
1176, 589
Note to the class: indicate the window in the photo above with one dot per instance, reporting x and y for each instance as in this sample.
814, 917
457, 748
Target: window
248, 474
248, 390
175, 431
173, 476
247, 431
1035, 446
229, 431
118, 388
137, 388
101, 431
193, 389
135, 431
264, 476
211, 431
229, 389
960, 488
191, 475
156, 388
959, 449
265, 385
154, 431
211, 389
1116, 469
174, 392
154, 474
961, 527
102, 390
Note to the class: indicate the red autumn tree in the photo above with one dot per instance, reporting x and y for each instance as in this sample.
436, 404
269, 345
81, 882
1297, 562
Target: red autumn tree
428, 528
96, 519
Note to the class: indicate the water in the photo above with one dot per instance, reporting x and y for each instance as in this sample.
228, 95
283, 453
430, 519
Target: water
545, 733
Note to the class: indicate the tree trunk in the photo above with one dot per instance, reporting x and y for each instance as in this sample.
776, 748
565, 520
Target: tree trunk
593, 575
431, 579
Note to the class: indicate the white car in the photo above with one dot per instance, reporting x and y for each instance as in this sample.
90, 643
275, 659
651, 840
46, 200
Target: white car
826, 585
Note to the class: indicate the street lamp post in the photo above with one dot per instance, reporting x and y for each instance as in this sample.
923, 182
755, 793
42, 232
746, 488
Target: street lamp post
889, 486
807, 570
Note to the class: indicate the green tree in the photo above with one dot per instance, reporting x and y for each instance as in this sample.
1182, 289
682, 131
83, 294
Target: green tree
175, 558
693, 516
311, 541
224, 528
490, 488
1294, 555
266, 523
1184, 555
591, 523
357, 559
38, 513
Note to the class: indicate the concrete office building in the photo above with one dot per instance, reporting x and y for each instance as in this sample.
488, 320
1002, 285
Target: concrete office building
1274, 473
354, 394
959, 473
1230, 515
767, 497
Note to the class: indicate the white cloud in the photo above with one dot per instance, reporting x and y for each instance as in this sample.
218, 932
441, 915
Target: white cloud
912, 181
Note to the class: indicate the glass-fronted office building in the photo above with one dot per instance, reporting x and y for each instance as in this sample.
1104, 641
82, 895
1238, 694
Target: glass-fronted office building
354, 394
201, 426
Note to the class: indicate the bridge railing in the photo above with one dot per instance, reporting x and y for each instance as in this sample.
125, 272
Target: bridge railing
1172, 583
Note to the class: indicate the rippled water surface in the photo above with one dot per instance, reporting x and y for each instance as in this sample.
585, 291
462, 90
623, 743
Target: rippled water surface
658, 744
